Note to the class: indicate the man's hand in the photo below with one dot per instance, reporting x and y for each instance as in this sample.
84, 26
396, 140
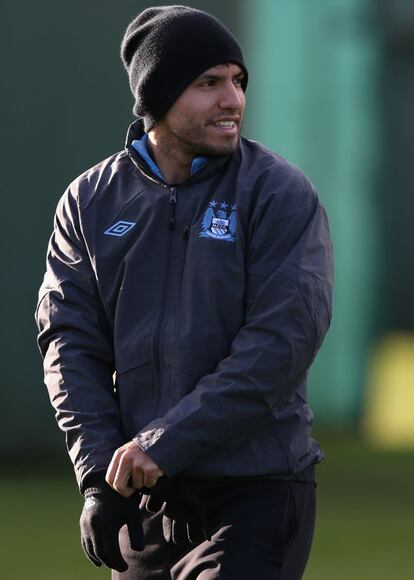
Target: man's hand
130, 464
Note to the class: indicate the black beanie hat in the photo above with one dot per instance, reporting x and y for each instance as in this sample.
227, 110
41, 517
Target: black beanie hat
165, 48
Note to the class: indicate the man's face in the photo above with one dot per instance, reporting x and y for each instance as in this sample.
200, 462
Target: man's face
206, 118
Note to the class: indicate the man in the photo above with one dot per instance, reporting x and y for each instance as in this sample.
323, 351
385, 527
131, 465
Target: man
187, 292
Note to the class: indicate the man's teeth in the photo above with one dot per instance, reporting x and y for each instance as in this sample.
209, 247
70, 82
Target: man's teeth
227, 124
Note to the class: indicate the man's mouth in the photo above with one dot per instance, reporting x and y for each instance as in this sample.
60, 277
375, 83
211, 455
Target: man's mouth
226, 124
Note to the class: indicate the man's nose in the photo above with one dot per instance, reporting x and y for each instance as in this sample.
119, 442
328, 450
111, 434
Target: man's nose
231, 96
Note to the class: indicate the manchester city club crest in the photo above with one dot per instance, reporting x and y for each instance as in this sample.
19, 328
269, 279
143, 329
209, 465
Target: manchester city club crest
220, 223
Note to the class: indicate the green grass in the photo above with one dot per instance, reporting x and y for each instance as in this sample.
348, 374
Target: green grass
364, 526
365, 518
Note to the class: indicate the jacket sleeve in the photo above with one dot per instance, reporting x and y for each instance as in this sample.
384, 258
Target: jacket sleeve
289, 304
76, 344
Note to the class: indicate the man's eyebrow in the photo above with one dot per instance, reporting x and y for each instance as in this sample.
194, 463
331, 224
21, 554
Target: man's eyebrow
218, 76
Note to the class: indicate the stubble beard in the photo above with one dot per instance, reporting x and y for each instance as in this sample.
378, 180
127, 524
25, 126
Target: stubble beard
194, 139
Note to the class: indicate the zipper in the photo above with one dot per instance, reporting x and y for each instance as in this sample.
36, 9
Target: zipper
156, 335
183, 253
173, 202
172, 222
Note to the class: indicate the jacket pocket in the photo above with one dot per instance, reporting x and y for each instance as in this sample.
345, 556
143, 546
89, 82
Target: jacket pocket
135, 355
134, 388
191, 364
185, 369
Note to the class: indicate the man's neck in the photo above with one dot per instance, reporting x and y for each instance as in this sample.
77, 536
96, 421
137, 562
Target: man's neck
174, 164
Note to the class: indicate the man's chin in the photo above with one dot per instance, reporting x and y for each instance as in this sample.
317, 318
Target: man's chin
211, 149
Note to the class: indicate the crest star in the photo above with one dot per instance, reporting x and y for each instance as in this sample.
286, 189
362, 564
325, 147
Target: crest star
213, 203
224, 205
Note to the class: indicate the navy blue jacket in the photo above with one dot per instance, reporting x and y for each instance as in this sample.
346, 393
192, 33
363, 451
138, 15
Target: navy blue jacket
187, 316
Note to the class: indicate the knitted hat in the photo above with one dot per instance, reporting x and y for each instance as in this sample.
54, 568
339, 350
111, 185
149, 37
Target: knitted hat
165, 48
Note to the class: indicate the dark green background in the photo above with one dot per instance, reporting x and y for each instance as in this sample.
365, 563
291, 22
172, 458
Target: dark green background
331, 87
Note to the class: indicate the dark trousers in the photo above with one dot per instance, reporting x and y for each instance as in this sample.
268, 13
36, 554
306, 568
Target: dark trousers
261, 530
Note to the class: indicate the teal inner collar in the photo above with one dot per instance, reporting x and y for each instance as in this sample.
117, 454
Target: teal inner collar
141, 146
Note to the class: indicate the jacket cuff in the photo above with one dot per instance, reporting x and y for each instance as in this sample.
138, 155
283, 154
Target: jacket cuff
159, 448
92, 479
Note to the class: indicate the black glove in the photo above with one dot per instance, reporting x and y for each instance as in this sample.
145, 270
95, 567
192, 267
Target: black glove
104, 513
184, 519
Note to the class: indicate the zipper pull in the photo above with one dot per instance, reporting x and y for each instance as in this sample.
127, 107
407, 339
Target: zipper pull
186, 233
172, 201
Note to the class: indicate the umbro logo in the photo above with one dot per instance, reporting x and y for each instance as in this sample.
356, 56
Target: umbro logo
119, 229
